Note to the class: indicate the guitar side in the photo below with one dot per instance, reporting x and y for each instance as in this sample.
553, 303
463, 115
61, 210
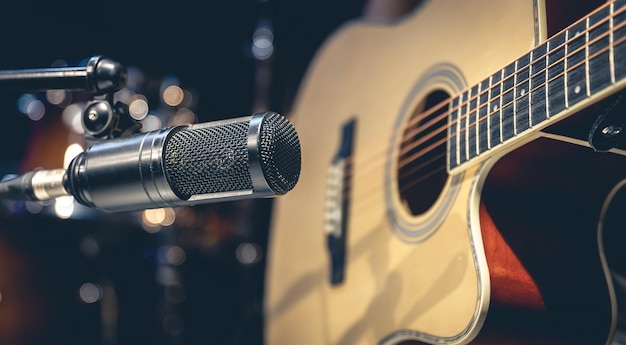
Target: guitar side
439, 276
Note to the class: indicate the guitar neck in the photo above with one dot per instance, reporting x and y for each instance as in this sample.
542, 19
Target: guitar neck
570, 69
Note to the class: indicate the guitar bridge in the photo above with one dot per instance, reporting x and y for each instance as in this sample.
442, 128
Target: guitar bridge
337, 203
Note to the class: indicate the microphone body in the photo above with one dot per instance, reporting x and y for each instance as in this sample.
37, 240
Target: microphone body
250, 157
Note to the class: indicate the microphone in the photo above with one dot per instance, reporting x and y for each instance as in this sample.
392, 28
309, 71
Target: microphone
249, 157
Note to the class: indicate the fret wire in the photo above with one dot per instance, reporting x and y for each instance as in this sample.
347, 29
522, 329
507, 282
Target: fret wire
547, 79
611, 41
468, 121
477, 129
474, 121
488, 113
514, 97
530, 89
467, 125
463, 130
483, 112
500, 106
565, 79
458, 143
452, 155
477, 121
587, 81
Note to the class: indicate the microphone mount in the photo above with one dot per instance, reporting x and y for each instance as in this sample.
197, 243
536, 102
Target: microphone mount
101, 77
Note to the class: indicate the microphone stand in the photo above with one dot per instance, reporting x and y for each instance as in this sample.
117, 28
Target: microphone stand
102, 77
101, 118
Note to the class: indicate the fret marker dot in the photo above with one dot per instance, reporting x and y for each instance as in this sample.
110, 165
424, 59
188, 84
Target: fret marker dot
523, 92
495, 107
577, 89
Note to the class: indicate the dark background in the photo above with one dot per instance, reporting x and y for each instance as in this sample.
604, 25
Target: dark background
44, 260
206, 45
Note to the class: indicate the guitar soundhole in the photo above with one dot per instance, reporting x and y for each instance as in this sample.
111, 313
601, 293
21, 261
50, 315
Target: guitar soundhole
422, 156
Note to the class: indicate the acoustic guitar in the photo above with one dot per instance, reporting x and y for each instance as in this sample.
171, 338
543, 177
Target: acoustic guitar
459, 165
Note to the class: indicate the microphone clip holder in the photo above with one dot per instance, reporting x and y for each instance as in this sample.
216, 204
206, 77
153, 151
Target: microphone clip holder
102, 119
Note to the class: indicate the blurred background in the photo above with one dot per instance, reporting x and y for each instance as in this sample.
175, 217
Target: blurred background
191, 275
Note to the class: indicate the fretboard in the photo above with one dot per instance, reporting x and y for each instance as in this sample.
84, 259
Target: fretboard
569, 68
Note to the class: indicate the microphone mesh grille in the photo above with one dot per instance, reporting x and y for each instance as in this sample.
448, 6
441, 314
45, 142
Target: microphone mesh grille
280, 153
215, 159
208, 160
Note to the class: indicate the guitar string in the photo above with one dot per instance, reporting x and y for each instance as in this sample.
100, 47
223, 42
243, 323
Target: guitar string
415, 120
348, 169
551, 65
498, 84
446, 102
409, 137
461, 130
562, 45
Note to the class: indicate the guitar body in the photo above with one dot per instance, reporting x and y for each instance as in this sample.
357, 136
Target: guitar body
506, 250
